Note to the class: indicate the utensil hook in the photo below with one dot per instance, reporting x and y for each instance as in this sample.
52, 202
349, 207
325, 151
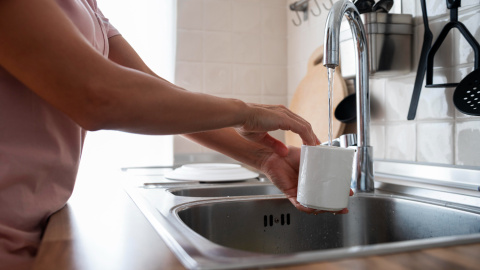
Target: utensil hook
299, 19
301, 5
319, 9
454, 23
325, 7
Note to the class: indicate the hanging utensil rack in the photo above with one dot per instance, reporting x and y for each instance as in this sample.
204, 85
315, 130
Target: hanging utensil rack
426, 64
303, 6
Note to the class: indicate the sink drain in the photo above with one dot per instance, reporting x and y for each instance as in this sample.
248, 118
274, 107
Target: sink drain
269, 220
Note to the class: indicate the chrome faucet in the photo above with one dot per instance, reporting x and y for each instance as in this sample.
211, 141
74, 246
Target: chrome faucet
362, 180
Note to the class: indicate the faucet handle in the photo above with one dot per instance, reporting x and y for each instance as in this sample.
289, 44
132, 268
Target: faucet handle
335, 142
345, 141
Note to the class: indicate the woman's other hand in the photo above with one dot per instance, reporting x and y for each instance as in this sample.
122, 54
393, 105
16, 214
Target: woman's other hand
283, 172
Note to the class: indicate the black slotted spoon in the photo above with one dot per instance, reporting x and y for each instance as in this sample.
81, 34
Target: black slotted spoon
467, 94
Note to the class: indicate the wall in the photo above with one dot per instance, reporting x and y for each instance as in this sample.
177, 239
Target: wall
250, 49
232, 48
439, 134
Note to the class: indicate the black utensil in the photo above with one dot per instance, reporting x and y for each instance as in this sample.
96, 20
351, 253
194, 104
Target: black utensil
383, 6
453, 5
346, 111
364, 6
422, 64
467, 94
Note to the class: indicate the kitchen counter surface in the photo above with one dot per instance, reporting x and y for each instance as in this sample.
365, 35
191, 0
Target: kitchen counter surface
101, 228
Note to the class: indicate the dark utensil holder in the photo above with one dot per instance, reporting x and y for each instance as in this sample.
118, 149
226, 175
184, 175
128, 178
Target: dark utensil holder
454, 23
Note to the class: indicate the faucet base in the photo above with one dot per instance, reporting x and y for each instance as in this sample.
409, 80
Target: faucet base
362, 175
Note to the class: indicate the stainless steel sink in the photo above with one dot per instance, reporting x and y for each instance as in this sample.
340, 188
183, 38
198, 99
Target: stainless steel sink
245, 225
274, 226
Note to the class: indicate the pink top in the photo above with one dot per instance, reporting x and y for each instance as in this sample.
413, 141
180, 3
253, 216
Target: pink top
40, 149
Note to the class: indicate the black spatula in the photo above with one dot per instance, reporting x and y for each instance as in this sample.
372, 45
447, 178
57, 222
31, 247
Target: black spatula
422, 64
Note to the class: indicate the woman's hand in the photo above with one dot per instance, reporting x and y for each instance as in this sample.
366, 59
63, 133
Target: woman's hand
283, 172
264, 118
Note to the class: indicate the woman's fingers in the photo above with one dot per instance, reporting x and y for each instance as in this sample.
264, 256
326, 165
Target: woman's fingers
265, 118
314, 211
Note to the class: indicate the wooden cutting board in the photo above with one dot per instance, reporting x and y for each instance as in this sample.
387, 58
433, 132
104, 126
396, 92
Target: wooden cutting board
310, 100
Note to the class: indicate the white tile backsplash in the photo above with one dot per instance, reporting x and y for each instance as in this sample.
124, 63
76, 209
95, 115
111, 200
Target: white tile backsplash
377, 141
274, 50
217, 47
272, 100
189, 75
189, 45
464, 52
434, 8
274, 81
436, 103
438, 148
467, 141
408, 7
246, 16
398, 93
246, 48
218, 78
274, 21
232, 49
274, 3
247, 80
190, 14
296, 73
400, 141
469, 3
218, 15
444, 56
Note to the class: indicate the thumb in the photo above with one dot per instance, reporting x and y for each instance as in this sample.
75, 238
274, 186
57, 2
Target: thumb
277, 146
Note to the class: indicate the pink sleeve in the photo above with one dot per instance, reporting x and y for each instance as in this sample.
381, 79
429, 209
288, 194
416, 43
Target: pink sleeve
110, 29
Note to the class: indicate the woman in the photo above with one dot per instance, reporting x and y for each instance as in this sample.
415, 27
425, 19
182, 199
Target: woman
65, 70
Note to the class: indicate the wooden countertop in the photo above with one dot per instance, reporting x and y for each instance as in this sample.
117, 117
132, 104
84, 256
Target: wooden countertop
101, 228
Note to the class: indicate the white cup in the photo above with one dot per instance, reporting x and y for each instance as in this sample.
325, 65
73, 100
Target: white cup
324, 177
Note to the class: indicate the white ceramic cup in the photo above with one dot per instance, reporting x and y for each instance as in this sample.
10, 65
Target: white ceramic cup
324, 177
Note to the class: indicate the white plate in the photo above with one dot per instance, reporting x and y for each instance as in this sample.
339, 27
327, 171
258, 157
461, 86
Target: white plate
211, 172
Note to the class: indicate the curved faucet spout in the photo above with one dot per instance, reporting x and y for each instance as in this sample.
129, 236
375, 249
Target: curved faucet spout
332, 31
363, 179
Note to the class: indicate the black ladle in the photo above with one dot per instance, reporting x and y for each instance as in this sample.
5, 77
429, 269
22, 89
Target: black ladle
467, 94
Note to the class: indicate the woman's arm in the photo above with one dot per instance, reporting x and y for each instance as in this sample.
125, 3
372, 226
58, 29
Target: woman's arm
226, 141
43, 49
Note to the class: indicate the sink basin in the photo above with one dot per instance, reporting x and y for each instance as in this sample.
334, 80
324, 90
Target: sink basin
246, 225
276, 227
227, 191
